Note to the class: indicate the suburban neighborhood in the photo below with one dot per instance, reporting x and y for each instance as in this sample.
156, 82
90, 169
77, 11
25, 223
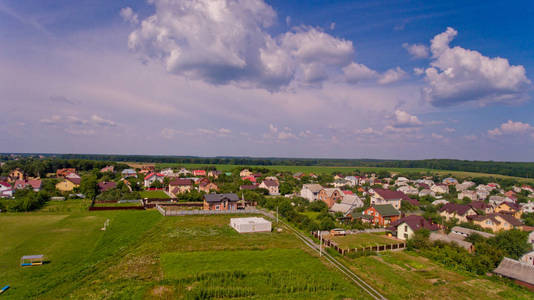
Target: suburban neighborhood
397, 211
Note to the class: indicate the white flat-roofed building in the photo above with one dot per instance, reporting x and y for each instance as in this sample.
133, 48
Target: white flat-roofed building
252, 224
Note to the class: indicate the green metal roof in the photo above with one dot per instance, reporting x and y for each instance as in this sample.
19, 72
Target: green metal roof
386, 210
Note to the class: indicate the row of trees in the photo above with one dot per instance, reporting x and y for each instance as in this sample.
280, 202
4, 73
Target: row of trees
487, 255
25, 200
40, 167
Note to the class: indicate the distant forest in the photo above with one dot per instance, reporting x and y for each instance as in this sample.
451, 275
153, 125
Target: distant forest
518, 169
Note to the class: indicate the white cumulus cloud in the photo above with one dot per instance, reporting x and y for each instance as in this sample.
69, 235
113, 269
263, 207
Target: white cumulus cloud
511, 128
403, 119
416, 50
226, 42
459, 75
129, 15
392, 75
357, 72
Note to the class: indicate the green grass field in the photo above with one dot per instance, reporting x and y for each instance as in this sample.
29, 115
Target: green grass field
404, 275
144, 255
153, 194
360, 240
330, 170
138, 257
275, 273
116, 204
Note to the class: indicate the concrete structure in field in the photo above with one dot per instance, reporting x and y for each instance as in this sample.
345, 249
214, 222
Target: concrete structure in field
252, 224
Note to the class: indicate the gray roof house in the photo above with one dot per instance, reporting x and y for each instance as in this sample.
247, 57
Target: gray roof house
520, 272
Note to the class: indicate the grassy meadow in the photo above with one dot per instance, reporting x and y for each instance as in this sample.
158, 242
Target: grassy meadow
405, 275
153, 194
144, 255
141, 256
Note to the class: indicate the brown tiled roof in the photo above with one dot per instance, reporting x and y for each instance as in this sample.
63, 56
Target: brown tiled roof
416, 222
508, 218
181, 182
35, 183
104, 186
248, 187
459, 209
389, 194
74, 180
270, 182
480, 205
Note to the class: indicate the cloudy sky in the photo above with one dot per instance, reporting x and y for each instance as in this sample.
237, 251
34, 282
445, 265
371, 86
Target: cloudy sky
371, 79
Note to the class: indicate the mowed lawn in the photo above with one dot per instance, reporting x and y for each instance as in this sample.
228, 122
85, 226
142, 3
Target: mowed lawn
136, 259
404, 275
73, 244
361, 240
154, 195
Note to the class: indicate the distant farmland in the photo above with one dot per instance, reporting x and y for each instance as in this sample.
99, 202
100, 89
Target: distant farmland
329, 170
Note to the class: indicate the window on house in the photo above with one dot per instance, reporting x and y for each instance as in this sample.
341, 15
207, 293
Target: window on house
217, 207
405, 227
405, 235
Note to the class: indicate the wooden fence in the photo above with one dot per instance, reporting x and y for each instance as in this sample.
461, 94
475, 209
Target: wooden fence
376, 248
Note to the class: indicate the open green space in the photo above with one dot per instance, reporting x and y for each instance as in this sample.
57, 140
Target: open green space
361, 240
117, 204
405, 275
66, 206
154, 195
138, 257
143, 255
273, 273
329, 170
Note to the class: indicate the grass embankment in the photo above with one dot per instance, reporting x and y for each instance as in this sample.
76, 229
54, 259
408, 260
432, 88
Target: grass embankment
154, 195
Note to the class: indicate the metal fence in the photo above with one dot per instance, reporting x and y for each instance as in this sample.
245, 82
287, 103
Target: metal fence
165, 212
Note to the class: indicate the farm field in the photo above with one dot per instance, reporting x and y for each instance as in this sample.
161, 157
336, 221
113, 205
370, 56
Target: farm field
138, 257
361, 240
330, 170
154, 195
404, 275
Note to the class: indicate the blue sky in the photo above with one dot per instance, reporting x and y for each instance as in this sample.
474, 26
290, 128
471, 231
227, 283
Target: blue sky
366, 79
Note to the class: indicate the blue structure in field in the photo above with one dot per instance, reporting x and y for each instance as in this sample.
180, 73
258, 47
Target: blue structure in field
4, 289
32, 260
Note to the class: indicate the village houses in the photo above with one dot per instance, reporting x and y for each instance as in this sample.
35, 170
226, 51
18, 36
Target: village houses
153, 177
180, 185
310, 191
456, 211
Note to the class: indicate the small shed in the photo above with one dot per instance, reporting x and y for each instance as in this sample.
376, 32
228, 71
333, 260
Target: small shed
32, 260
252, 224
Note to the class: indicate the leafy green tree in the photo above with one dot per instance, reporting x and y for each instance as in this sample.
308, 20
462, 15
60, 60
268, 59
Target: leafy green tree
89, 186
286, 188
514, 243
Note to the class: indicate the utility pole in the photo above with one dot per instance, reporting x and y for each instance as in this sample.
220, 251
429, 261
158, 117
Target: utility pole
320, 244
277, 214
